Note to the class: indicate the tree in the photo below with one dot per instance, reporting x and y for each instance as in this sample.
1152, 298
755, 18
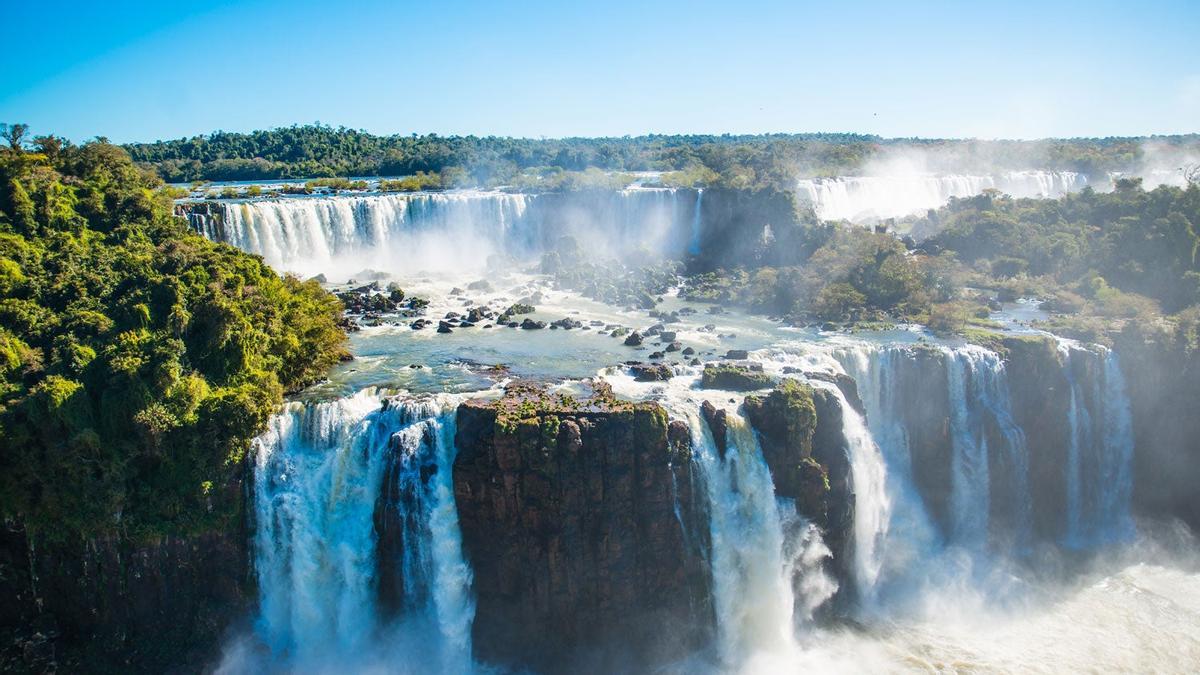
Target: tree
14, 134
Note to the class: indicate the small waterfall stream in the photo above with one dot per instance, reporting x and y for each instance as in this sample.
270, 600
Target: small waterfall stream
980, 401
1099, 473
694, 244
752, 590
872, 503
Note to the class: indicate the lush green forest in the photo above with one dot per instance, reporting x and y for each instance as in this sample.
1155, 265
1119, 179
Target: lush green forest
735, 160
137, 359
1100, 260
1105, 258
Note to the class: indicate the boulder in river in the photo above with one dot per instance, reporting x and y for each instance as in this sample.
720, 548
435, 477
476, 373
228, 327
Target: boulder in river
651, 372
735, 377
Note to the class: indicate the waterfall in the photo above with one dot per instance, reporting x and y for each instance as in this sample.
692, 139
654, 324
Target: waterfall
327, 234
319, 473
1116, 463
341, 235
879, 373
979, 401
752, 589
694, 245
904, 397
872, 504
869, 198
1099, 470
988, 456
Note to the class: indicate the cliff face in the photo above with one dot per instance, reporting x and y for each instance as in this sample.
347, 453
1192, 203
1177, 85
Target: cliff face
923, 409
753, 227
106, 605
1040, 395
1162, 372
206, 218
579, 523
800, 431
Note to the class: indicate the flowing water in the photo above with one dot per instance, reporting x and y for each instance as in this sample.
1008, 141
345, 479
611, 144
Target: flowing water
1099, 454
870, 198
319, 471
948, 571
457, 230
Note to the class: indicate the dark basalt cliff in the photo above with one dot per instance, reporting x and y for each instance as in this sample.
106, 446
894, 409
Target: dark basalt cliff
1040, 394
110, 606
579, 523
1162, 372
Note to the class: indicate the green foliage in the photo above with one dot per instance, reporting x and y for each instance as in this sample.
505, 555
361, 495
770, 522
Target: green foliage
419, 181
137, 359
855, 275
1103, 245
734, 377
335, 184
693, 176
790, 405
734, 161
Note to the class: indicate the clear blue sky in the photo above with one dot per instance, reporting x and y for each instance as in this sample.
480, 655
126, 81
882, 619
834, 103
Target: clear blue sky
150, 70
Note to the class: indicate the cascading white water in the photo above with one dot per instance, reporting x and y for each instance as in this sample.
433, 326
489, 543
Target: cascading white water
319, 471
1099, 471
694, 244
341, 235
978, 397
325, 234
768, 563
1116, 465
969, 461
872, 504
752, 589
868, 198
1098, 459
876, 370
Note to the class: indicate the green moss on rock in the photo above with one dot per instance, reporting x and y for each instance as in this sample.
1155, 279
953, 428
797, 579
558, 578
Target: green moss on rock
735, 377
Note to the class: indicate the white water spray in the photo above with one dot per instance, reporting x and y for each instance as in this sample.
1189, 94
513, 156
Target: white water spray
868, 198
872, 504
341, 235
319, 470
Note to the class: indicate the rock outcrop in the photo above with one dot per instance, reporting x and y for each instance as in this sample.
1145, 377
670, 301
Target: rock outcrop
746, 376
568, 516
1040, 395
1161, 365
110, 605
800, 431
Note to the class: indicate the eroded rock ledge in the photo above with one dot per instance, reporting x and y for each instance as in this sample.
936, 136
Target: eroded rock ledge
579, 522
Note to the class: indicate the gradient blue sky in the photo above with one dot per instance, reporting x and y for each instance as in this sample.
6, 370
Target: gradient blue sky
150, 70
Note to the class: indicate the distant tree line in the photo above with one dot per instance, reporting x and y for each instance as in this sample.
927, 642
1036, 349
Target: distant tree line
313, 151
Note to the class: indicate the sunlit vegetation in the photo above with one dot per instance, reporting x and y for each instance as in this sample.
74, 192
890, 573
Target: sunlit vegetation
1097, 261
694, 161
854, 276
1127, 254
137, 359
335, 184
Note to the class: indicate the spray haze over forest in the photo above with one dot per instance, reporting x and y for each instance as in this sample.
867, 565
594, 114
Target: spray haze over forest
313, 399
